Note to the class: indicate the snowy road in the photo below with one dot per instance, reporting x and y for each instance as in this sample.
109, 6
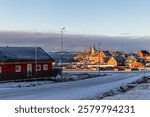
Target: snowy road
81, 89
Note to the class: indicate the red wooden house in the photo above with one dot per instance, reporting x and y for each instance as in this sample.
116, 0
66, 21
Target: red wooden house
24, 62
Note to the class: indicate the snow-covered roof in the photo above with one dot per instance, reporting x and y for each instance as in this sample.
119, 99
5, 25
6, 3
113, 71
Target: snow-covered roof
23, 54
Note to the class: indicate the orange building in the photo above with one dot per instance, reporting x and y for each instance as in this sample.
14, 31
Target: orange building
135, 61
137, 64
112, 61
144, 54
116, 61
99, 57
96, 58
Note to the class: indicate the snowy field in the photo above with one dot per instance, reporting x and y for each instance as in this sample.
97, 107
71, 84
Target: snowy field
80, 89
76, 75
141, 92
24, 84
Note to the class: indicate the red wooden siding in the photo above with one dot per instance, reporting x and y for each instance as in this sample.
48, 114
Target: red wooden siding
9, 69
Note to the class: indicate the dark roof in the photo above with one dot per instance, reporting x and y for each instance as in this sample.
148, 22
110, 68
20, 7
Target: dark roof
144, 52
64, 58
107, 53
136, 56
107, 58
120, 59
57, 55
119, 53
23, 54
138, 59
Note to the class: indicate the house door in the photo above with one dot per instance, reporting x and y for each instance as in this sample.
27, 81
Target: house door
29, 69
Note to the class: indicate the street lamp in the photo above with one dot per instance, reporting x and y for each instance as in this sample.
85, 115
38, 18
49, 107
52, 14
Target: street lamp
62, 49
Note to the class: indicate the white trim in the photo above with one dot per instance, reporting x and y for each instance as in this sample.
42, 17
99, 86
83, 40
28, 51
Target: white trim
0, 69
38, 67
45, 67
18, 68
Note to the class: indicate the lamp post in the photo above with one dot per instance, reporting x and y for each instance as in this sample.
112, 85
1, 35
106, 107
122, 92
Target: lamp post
62, 50
99, 56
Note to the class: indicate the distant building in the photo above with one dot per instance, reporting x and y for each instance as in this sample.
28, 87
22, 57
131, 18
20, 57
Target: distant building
135, 61
116, 61
96, 58
105, 54
101, 57
24, 63
65, 57
137, 65
144, 54
93, 50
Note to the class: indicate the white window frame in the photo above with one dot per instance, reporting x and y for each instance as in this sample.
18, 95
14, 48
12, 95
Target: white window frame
45, 67
18, 68
29, 69
38, 67
0, 69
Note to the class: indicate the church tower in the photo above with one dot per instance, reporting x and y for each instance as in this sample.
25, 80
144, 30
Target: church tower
93, 49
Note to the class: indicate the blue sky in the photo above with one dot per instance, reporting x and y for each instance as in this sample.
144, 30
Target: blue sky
111, 22
102, 17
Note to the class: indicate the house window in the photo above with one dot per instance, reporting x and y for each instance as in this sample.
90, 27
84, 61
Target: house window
18, 68
0, 69
38, 68
45, 67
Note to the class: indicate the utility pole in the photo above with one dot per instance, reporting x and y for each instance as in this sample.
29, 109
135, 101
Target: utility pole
99, 56
62, 51
36, 58
122, 47
144, 68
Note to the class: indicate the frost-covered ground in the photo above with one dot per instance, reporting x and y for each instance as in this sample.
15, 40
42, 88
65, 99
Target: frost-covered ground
81, 89
24, 84
65, 78
141, 92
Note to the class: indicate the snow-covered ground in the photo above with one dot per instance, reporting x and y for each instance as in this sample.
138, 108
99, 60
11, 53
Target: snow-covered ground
24, 84
66, 77
141, 92
81, 89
